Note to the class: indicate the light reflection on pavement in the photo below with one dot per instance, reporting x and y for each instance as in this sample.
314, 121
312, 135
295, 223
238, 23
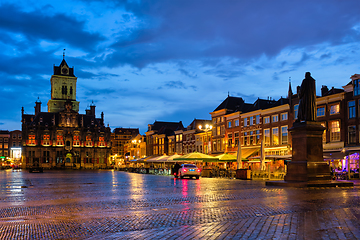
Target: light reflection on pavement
112, 204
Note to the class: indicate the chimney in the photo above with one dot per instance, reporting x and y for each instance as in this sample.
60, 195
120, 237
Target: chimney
37, 107
324, 90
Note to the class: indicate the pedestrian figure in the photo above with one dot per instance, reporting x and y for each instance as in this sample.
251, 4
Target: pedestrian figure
176, 169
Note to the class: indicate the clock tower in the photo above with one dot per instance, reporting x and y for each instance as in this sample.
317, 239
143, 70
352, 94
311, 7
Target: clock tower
63, 88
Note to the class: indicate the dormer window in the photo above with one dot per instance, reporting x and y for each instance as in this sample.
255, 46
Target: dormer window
356, 87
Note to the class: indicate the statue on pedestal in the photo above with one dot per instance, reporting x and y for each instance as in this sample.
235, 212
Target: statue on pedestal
307, 103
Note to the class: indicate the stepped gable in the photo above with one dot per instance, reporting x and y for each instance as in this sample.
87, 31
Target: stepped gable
46, 119
89, 121
41, 119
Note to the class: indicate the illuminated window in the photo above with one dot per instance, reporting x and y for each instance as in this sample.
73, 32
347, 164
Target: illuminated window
222, 130
88, 141
236, 139
230, 140
275, 136
76, 140
334, 130
324, 134
59, 140
32, 139
46, 140
101, 142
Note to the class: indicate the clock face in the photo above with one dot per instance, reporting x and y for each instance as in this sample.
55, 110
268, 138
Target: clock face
64, 70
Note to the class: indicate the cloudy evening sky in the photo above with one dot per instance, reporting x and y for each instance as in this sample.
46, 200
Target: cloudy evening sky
171, 60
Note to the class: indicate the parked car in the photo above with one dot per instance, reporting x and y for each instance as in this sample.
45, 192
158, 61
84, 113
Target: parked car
189, 170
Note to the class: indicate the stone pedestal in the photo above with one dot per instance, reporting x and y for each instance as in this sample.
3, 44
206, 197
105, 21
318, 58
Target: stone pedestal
307, 162
307, 167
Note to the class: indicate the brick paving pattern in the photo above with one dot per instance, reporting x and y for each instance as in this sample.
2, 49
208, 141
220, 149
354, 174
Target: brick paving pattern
120, 205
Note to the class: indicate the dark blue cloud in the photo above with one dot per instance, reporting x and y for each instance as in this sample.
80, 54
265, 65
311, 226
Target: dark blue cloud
178, 30
37, 25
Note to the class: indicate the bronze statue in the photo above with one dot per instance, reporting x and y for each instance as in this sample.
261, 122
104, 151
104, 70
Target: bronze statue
307, 103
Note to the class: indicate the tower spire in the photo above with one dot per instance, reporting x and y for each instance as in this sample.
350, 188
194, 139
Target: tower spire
64, 54
290, 93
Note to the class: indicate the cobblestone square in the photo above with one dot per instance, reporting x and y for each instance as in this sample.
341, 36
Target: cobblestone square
108, 204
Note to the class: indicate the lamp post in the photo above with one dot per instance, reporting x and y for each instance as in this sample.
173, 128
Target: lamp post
206, 129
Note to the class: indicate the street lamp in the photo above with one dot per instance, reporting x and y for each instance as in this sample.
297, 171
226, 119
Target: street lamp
207, 128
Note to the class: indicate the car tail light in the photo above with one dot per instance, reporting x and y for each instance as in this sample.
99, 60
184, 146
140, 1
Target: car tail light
184, 170
198, 169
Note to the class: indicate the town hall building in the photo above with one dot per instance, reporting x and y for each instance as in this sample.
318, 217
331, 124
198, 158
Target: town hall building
61, 137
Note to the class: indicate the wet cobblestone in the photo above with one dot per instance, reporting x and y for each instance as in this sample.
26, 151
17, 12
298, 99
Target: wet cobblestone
119, 205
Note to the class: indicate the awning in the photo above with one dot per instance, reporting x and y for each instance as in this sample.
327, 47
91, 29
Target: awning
226, 157
142, 160
195, 156
246, 152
